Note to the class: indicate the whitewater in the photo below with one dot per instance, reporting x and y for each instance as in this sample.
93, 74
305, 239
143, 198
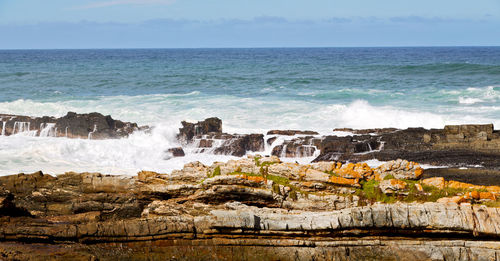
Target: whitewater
251, 90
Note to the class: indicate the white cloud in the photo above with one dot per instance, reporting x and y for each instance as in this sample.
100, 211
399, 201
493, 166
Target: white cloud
126, 2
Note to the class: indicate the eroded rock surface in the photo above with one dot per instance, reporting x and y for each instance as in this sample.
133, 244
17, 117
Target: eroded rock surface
253, 208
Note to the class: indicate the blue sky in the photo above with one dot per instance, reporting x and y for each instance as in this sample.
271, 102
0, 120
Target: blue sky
249, 23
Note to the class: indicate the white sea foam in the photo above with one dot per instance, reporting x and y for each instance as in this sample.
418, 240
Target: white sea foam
463, 100
165, 111
141, 151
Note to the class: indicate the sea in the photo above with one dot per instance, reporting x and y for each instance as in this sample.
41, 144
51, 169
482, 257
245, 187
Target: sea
251, 90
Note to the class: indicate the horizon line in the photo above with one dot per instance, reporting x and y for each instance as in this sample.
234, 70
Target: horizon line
262, 47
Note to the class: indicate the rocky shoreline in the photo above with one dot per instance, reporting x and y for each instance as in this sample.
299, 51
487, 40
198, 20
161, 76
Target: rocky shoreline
284, 211
473, 145
258, 207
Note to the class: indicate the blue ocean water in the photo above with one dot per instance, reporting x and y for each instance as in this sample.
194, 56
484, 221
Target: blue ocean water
251, 90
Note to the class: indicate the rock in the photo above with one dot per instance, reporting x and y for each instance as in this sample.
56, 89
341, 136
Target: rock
392, 186
457, 146
400, 169
344, 182
208, 135
207, 126
351, 170
316, 175
239, 145
267, 160
437, 182
452, 200
271, 140
324, 166
297, 148
291, 132
487, 196
204, 143
367, 131
195, 214
73, 125
478, 176
176, 152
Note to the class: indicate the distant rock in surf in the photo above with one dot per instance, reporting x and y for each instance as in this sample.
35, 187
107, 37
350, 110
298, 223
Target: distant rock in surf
207, 135
72, 125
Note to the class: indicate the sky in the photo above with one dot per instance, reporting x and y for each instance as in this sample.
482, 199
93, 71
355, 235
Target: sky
40, 24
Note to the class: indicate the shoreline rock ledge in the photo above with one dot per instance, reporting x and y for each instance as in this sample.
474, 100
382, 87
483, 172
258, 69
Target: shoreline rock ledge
254, 208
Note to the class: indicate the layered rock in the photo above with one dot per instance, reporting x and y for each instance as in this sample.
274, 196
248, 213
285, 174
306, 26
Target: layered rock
455, 145
207, 135
297, 147
249, 209
72, 125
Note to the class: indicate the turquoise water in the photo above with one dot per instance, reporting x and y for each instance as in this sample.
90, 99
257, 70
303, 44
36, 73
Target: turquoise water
251, 90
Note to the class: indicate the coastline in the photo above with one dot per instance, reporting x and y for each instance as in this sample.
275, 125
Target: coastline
256, 206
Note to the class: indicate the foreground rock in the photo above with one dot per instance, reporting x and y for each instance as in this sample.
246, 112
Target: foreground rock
255, 208
73, 125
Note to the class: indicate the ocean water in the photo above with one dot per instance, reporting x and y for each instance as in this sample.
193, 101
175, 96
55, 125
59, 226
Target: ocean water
251, 90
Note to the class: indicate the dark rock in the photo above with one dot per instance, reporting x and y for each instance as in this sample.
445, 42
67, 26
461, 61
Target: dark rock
454, 146
204, 143
92, 125
349, 144
238, 145
298, 147
367, 131
207, 126
291, 132
478, 176
271, 140
8, 208
176, 152
208, 131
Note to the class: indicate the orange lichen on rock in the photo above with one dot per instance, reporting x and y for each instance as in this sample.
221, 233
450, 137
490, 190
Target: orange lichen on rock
344, 181
399, 184
252, 178
487, 195
351, 170
462, 185
419, 172
437, 182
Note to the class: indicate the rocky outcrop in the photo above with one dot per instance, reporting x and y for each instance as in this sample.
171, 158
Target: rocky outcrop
72, 125
455, 145
297, 147
190, 130
207, 135
249, 209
